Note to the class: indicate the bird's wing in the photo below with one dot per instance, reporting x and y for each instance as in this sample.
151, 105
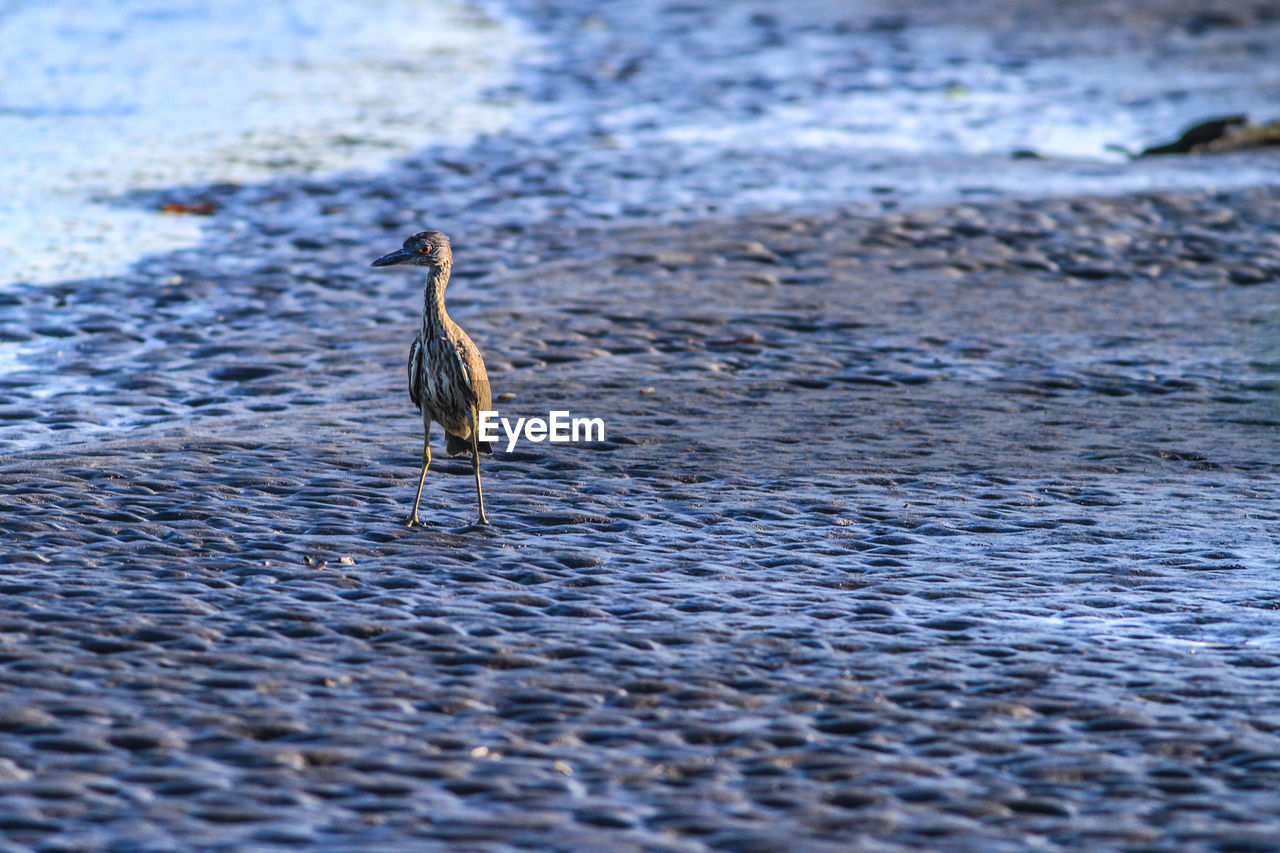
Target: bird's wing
417, 371
477, 378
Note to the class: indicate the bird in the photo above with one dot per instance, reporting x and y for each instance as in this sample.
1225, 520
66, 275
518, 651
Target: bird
447, 379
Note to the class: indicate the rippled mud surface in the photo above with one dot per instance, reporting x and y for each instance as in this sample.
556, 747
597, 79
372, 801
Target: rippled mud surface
948, 529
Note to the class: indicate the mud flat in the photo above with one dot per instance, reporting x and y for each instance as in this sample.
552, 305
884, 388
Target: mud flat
937, 506
946, 529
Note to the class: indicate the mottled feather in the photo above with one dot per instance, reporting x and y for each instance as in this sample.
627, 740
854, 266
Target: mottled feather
447, 379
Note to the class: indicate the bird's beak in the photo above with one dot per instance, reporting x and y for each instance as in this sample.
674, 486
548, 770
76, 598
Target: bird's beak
399, 256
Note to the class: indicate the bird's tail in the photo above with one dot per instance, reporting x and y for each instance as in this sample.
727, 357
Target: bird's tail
455, 446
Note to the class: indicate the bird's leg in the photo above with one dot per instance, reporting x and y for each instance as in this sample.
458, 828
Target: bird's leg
475, 463
426, 462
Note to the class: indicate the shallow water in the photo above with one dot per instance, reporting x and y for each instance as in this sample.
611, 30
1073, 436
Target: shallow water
102, 98
749, 106
651, 111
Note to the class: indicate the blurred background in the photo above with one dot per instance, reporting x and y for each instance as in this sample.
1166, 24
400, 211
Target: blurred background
649, 109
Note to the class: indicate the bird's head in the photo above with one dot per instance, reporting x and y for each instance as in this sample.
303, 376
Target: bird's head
424, 249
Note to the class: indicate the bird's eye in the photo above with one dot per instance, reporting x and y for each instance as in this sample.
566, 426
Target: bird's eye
426, 249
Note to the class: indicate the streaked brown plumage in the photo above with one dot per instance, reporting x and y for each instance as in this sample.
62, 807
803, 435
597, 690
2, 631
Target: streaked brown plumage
447, 379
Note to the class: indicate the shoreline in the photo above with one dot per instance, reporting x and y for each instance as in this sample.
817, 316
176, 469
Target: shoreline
187, 381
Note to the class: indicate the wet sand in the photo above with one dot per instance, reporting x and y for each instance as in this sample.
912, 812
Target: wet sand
948, 529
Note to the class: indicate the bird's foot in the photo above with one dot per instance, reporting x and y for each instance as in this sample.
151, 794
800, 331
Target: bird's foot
413, 520
483, 520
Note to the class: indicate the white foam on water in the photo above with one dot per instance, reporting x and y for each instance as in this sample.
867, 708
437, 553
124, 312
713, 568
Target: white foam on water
102, 97
935, 130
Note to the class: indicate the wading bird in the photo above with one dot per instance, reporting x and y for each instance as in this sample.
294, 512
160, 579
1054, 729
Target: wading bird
447, 379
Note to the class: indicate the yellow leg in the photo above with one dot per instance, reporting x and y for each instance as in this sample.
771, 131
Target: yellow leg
426, 463
475, 466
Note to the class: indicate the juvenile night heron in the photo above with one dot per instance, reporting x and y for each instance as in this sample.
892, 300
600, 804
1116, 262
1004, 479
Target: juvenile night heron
447, 379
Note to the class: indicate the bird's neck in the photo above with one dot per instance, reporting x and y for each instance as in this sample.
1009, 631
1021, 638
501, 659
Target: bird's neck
434, 316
